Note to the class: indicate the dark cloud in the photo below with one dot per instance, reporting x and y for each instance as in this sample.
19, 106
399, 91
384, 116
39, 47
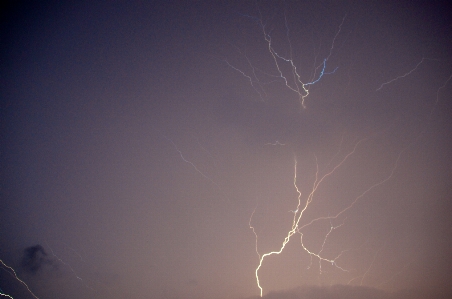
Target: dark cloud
35, 259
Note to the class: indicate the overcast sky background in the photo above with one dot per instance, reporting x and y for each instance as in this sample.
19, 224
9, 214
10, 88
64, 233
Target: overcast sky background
134, 149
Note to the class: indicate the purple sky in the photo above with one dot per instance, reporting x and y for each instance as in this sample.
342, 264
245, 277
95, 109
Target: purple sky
141, 140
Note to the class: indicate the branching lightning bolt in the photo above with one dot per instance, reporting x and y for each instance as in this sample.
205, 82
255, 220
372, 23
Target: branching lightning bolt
299, 213
296, 228
253, 80
297, 86
324, 241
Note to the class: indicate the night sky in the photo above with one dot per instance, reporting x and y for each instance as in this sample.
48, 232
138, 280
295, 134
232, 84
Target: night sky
159, 149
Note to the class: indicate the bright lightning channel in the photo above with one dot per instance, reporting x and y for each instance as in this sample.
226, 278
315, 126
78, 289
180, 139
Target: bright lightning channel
14, 274
5, 295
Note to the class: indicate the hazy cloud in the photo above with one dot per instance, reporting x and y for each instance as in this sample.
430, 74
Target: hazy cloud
355, 292
35, 258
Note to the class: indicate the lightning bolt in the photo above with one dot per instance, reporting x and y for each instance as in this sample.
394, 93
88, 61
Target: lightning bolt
194, 166
299, 213
301, 208
396, 274
371, 264
402, 76
294, 82
253, 80
332, 227
254, 232
5, 295
11, 271
68, 265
